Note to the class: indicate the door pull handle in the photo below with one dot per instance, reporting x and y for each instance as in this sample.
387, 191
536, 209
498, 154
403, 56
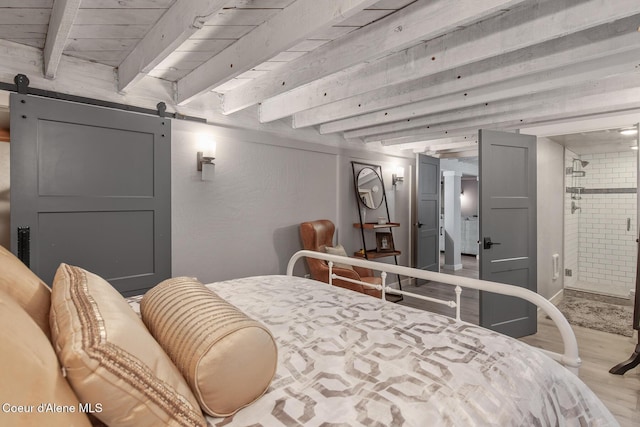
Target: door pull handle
419, 224
487, 243
24, 242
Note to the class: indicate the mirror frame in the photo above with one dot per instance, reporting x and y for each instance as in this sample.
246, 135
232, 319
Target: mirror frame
365, 196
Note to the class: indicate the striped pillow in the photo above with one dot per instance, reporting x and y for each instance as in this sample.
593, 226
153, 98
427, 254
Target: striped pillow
227, 358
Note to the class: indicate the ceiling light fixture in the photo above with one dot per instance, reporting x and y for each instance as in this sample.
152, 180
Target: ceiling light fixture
627, 132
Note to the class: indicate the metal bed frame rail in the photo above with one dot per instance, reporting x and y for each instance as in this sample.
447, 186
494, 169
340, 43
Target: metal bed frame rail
570, 358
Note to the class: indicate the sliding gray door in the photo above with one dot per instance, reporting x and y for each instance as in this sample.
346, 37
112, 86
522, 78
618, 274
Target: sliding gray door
91, 187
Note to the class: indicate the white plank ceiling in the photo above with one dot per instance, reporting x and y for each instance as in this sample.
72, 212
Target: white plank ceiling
422, 75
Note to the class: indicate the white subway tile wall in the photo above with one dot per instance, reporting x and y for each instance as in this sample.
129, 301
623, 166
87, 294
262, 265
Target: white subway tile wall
606, 250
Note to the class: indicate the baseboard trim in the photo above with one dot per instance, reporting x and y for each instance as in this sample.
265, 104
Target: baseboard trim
555, 300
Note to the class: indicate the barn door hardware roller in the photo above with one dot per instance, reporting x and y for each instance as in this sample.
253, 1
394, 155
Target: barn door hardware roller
22, 83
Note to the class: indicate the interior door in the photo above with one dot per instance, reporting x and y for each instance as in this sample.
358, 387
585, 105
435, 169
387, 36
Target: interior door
508, 228
428, 253
91, 187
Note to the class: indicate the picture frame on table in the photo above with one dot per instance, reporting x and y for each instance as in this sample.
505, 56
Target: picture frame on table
384, 242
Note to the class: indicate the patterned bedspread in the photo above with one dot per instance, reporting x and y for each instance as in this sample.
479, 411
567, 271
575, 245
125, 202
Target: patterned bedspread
350, 359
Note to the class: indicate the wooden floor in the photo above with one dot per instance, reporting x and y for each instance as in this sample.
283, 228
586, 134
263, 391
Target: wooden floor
599, 351
469, 298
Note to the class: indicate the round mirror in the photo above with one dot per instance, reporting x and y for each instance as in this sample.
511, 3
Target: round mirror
370, 189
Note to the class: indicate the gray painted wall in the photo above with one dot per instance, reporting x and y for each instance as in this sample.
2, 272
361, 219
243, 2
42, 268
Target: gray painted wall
243, 219
550, 180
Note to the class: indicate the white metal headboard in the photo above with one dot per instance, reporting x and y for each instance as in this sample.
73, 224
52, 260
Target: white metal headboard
570, 358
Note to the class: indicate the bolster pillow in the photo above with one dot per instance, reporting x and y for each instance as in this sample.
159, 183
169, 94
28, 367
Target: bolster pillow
227, 358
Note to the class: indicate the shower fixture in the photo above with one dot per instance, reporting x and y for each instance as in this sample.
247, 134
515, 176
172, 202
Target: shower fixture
583, 163
575, 192
574, 207
575, 171
575, 165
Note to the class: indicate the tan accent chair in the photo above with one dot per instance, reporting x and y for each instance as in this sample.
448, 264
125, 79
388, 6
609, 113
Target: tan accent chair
316, 235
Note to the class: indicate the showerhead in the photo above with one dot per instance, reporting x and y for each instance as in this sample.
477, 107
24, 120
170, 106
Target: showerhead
583, 163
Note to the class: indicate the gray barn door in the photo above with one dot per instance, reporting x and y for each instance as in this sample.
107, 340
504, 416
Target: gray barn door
508, 229
93, 187
428, 253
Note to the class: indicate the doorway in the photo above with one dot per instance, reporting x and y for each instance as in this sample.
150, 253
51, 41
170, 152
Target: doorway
600, 211
466, 213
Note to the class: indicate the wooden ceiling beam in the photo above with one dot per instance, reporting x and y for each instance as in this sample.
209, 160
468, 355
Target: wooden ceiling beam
418, 21
506, 96
292, 25
445, 143
433, 150
612, 96
508, 72
538, 23
177, 24
453, 145
92, 80
62, 16
458, 154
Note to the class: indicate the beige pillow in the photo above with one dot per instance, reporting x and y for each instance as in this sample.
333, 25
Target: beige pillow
31, 374
338, 250
227, 358
25, 288
112, 359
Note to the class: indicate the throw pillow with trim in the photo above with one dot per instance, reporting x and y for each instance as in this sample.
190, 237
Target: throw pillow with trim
112, 359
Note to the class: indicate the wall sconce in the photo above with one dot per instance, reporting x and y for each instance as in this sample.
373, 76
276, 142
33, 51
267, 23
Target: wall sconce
398, 176
207, 152
204, 160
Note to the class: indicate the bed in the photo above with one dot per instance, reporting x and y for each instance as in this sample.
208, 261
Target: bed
349, 359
